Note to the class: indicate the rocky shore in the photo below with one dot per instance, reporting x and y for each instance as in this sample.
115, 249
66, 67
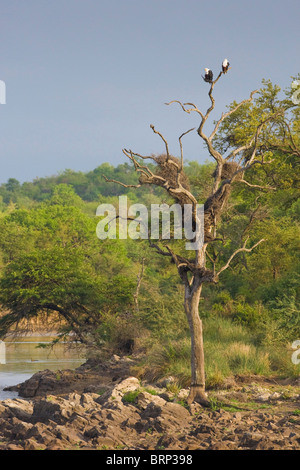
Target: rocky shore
102, 406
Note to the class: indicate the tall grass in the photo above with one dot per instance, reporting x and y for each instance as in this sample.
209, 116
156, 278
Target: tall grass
230, 349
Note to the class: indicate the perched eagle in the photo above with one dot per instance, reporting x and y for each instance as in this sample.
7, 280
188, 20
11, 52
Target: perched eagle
225, 66
208, 77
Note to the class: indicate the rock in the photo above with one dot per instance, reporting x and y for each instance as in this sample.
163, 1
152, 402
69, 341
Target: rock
49, 382
21, 409
267, 444
69, 434
224, 445
117, 392
20, 430
39, 384
263, 397
145, 398
91, 389
195, 409
14, 447
167, 396
171, 415
79, 422
204, 429
57, 409
166, 442
250, 439
92, 432
6, 426
115, 358
31, 444
239, 396
183, 394
166, 381
275, 396
223, 415
41, 433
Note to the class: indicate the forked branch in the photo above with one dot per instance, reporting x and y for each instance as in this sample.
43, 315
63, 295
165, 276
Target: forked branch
226, 115
239, 250
269, 188
164, 140
108, 180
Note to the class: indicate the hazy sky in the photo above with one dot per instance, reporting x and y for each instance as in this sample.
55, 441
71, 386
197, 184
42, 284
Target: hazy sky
86, 78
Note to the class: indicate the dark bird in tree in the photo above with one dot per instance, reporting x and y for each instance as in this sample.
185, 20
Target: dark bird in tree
208, 77
225, 66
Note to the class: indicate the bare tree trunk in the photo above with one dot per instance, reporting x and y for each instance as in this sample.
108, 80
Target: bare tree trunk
191, 304
138, 286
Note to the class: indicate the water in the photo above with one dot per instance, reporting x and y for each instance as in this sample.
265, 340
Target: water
20, 359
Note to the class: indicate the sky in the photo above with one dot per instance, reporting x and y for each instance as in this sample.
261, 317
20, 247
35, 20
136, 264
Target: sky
86, 78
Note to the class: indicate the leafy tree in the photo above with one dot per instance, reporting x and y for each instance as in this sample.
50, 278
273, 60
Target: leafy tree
65, 195
53, 263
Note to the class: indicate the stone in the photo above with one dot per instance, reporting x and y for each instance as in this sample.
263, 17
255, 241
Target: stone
163, 383
92, 432
275, 396
223, 445
14, 447
250, 439
20, 430
263, 397
145, 398
41, 433
183, 394
117, 392
31, 444
21, 409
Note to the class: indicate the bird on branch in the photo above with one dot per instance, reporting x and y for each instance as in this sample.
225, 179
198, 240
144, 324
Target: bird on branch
225, 66
208, 77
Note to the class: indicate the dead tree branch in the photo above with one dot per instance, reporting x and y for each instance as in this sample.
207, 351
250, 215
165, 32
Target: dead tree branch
271, 188
226, 115
239, 250
164, 140
108, 180
181, 150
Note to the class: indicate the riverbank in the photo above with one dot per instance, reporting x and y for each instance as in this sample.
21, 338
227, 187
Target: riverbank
23, 356
101, 405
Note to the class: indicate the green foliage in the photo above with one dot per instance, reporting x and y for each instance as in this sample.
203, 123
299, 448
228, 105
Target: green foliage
52, 261
130, 397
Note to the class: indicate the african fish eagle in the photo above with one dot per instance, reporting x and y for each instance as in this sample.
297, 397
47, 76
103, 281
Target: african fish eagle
225, 66
208, 77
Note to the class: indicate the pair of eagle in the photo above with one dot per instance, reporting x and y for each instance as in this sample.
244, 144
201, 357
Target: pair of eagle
208, 77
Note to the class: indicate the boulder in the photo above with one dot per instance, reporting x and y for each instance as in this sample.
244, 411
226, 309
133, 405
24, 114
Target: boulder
117, 392
21, 409
20, 430
145, 398
57, 409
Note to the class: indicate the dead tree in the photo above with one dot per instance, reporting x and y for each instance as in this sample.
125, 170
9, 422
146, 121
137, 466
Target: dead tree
169, 174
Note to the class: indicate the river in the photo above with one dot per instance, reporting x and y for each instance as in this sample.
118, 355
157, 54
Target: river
21, 358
